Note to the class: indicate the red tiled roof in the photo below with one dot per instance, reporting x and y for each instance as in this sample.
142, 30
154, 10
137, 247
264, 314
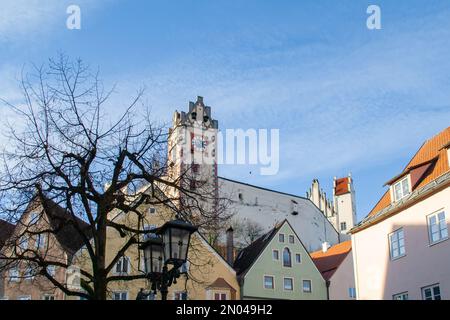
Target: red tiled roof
342, 186
432, 151
328, 262
221, 283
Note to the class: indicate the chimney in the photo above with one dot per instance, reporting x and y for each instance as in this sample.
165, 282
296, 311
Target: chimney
230, 246
325, 247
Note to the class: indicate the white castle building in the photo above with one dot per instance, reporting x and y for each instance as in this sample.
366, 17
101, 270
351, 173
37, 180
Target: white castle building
315, 219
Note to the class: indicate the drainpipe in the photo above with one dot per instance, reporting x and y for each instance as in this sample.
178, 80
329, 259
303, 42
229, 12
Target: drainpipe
328, 289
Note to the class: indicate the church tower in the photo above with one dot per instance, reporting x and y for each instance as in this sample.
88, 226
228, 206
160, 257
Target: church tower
192, 148
344, 203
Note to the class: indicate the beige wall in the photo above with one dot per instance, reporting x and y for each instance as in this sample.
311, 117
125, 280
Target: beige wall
342, 280
38, 286
377, 277
205, 264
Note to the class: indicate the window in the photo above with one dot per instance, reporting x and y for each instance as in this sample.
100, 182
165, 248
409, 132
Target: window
14, 274
437, 227
401, 189
24, 298
269, 282
307, 286
298, 258
180, 295
33, 218
23, 243
288, 284
220, 296
151, 210
352, 293
122, 266
29, 273
281, 238
275, 255
148, 227
431, 292
287, 262
291, 239
120, 295
294, 207
40, 241
184, 267
397, 244
241, 197
151, 296
51, 270
48, 297
400, 296
343, 226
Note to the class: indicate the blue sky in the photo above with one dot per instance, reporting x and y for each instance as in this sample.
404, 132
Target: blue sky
345, 98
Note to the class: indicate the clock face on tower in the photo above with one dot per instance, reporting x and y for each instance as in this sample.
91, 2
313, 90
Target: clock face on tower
199, 144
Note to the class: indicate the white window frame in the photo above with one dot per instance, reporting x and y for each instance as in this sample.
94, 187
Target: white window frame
51, 270
15, 278
401, 296
431, 287
440, 229
391, 247
121, 272
344, 223
284, 284
400, 182
48, 295
281, 235
273, 254
41, 240
290, 257
23, 243
34, 217
27, 297
310, 286
291, 236
120, 293
352, 292
29, 274
299, 255
221, 293
180, 292
147, 227
264, 281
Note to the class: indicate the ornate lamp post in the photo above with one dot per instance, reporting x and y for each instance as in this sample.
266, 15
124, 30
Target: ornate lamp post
169, 247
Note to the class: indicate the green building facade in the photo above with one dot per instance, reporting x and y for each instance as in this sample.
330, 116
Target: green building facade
277, 266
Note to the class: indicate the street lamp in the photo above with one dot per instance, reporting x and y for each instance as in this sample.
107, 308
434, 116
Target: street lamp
169, 246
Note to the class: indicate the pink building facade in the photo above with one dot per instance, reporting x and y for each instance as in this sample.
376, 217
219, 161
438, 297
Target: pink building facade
401, 250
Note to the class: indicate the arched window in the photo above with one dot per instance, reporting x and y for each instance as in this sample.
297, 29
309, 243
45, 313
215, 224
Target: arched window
287, 261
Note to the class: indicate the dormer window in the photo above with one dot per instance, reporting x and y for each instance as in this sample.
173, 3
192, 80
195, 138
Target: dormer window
401, 189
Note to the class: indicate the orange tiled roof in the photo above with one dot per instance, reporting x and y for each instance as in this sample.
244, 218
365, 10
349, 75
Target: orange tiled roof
342, 186
328, 262
432, 148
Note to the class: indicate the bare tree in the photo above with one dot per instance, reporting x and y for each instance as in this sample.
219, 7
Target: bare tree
246, 232
71, 154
